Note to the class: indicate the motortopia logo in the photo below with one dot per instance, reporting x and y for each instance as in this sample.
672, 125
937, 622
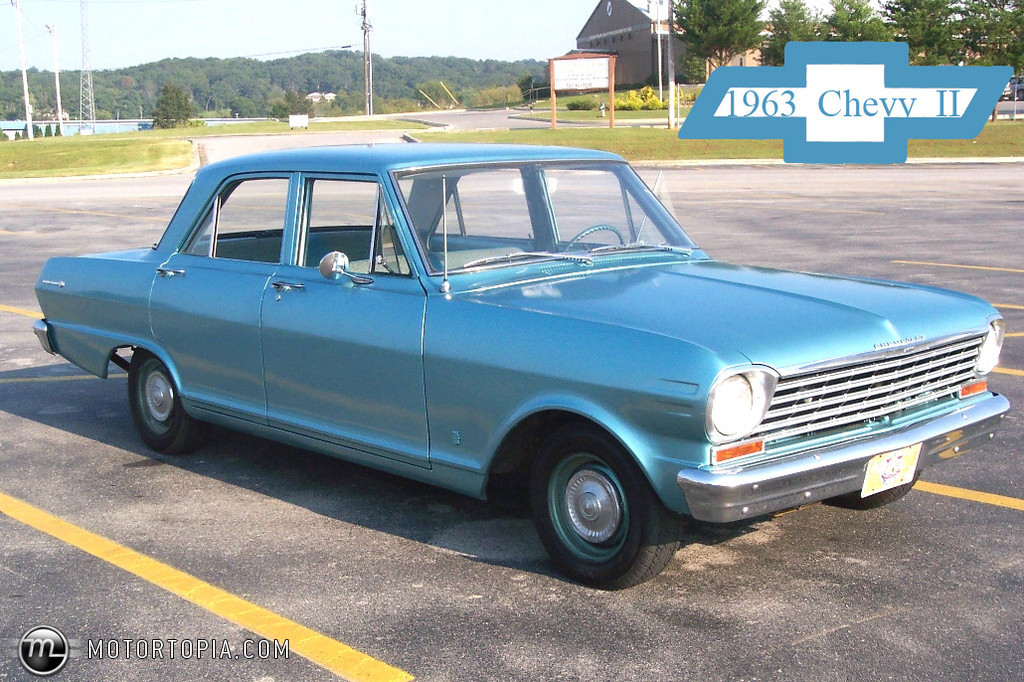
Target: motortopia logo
43, 650
845, 102
186, 649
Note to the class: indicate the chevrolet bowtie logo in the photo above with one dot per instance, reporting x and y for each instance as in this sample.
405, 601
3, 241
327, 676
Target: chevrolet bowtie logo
845, 102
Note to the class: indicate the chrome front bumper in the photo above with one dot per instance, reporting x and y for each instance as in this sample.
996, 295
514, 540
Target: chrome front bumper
42, 332
729, 493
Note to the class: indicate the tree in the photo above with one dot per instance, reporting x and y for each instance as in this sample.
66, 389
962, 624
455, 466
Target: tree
719, 30
929, 27
854, 21
173, 108
994, 32
791, 20
293, 103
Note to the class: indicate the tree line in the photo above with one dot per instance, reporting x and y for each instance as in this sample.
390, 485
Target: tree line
252, 88
938, 32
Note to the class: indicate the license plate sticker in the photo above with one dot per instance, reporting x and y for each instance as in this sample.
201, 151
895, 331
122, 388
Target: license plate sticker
890, 469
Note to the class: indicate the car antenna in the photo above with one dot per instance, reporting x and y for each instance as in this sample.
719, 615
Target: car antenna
445, 285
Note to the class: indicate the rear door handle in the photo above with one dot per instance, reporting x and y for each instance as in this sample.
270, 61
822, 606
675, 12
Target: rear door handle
169, 272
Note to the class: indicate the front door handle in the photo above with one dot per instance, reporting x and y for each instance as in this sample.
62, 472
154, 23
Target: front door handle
287, 286
169, 272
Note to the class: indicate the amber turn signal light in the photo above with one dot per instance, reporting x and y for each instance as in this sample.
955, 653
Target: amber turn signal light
733, 451
974, 389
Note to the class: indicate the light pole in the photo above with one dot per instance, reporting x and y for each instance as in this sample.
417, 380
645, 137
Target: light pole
56, 79
24, 72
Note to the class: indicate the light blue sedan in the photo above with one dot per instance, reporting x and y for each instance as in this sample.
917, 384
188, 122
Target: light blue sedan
462, 313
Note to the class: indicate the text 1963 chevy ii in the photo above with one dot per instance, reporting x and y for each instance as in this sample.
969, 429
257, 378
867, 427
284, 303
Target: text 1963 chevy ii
453, 313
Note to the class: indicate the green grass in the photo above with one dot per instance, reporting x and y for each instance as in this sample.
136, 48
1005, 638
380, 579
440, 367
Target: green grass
98, 155
144, 151
278, 127
594, 115
1002, 138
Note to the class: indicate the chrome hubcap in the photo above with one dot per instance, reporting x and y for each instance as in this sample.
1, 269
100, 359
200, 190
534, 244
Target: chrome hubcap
593, 504
159, 396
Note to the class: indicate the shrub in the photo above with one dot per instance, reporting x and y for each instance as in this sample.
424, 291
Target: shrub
581, 105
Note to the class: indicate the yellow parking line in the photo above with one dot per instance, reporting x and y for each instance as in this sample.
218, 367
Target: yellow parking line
1011, 306
73, 377
1011, 372
973, 495
7, 232
20, 311
328, 653
1014, 335
954, 265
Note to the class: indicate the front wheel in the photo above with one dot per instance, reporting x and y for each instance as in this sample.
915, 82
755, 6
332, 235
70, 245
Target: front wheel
156, 409
595, 512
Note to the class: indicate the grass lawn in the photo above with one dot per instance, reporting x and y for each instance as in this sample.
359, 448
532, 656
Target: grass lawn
1003, 138
145, 151
278, 127
583, 115
97, 155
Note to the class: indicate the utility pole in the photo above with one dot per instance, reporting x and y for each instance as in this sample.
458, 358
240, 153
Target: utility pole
24, 72
671, 69
367, 58
56, 79
657, 33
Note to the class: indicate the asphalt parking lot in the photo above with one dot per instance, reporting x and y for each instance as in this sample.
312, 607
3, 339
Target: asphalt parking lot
443, 587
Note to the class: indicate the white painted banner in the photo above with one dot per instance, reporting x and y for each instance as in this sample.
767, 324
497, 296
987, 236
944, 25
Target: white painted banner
580, 74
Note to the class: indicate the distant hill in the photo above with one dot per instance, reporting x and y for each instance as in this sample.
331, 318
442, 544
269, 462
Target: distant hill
250, 87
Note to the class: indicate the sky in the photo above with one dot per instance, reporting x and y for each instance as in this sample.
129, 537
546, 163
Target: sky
130, 32
126, 33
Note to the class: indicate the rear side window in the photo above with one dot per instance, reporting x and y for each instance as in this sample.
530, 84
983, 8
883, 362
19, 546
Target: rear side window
246, 222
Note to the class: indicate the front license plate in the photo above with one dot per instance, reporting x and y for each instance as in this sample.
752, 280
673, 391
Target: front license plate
890, 469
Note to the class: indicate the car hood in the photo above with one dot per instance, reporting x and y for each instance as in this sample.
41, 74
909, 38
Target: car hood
775, 317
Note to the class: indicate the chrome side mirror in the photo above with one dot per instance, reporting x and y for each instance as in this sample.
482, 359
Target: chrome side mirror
334, 265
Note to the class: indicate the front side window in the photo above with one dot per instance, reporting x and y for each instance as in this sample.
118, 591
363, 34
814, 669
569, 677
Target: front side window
246, 222
350, 216
505, 214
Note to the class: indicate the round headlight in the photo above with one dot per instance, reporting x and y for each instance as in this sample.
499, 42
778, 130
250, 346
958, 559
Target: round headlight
988, 356
737, 404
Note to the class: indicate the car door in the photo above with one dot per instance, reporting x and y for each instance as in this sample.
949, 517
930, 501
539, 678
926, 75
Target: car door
206, 298
343, 359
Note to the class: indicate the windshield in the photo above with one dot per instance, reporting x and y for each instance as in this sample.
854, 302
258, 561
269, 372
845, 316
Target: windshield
511, 213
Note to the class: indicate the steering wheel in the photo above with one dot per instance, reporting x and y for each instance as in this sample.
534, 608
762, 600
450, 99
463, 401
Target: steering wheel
592, 230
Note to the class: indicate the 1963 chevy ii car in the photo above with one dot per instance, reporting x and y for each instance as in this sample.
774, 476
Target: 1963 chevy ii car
454, 313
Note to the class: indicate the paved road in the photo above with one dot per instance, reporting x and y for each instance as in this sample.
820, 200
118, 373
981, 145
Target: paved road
449, 588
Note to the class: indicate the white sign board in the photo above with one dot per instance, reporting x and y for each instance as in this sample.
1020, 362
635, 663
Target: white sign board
581, 74
298, 121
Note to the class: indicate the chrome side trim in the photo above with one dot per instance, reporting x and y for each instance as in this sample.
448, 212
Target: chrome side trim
729, 493
42, 332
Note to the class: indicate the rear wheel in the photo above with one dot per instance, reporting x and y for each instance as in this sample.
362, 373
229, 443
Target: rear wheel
595, 512
156, 409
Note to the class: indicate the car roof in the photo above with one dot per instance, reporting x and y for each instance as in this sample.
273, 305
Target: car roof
380, 158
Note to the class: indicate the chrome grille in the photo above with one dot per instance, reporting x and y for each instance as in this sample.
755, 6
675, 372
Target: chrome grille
863, 390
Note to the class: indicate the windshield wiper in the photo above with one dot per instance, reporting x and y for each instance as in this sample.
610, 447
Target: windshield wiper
518, 255
640, 246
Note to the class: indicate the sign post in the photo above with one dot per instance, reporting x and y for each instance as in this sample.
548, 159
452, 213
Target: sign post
580, 73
